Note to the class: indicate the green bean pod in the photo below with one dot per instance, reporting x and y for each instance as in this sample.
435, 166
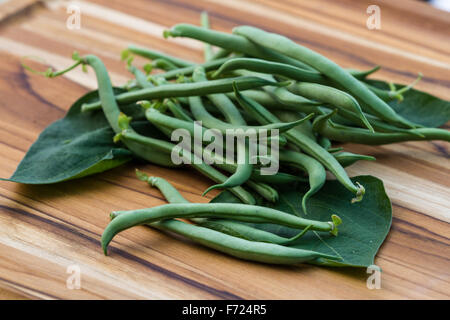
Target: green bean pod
241, 248
347, 158
163, 64
141, 78
157, 118
231, 42
153, 54
270, 67
240, 212
333, 96
358, 135
185, 71
184, 90
316, 172
207, 49
220, 54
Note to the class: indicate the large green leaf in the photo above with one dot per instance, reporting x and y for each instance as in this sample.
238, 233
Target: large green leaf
364, 227
78, 145
418, 106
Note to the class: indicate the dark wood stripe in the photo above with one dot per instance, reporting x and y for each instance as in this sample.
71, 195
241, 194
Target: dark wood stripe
222, 294
15, 284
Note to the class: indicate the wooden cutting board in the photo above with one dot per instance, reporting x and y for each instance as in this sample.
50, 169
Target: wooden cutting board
44, 230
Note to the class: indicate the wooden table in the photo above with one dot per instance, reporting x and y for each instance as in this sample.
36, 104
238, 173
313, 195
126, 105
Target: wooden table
46, 229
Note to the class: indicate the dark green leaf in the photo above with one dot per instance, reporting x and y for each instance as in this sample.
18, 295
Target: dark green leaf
78, 145
418, 106
364, 227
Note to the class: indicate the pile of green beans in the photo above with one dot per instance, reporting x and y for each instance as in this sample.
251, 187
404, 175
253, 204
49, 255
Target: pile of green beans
250, 80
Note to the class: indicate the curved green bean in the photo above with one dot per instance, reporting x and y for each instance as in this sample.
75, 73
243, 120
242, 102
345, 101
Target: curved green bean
358, 135
241, 248
333, 96
153, 54
230, 42
241, 212
316, 172
347, 158
184, 90
208, 66
163, 64
156, 117
270, 67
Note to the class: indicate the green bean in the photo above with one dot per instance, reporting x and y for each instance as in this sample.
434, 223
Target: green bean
270, 67
283, 69
264, 190
141, 78
246, 232
169, 191
294, 102
324, 142
347, 158
241, 248
153, 54
289, 116
177, 110
207, 50
261, 97
221, 53
358, 135
333, 96
363, 74
243, 171
316, 172
304, 143
208, 66
163, 64
241, 212
376, 123
230, 42
156, 117
227, 226
393, 93
327, 67
184, 90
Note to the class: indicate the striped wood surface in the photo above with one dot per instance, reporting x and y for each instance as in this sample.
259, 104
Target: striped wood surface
45, 229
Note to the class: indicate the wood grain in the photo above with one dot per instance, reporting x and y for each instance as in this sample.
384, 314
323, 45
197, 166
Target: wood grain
46, 229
